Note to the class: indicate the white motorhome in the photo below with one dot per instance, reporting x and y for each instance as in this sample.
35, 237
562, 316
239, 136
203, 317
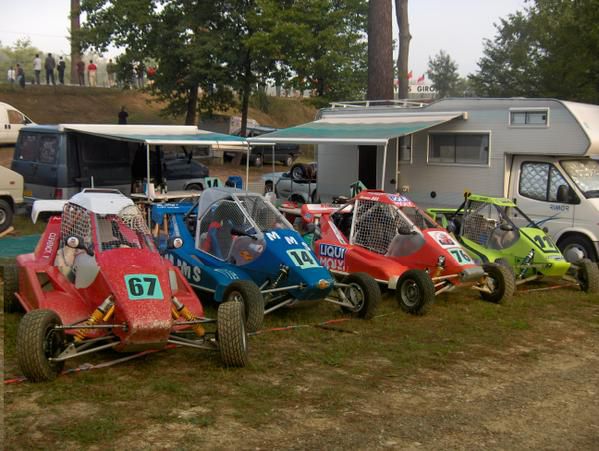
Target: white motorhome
538, 152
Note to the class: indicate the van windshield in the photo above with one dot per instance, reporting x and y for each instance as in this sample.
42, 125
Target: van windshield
585, 174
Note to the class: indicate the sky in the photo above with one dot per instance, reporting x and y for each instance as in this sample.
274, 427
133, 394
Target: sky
458, 27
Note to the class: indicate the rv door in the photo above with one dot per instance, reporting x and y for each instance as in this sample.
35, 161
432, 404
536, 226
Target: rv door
540, 189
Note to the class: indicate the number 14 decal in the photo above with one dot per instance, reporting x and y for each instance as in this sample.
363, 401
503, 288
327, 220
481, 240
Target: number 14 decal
302, 258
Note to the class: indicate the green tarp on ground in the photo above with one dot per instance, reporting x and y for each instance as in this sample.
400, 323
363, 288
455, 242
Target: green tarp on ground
11, 247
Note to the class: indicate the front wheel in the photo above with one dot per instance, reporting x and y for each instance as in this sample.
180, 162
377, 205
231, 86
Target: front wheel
501, 281
252, 300
588, 276
364, 294
5, 215
194, 187
415, 292
232, 338
11, 286
37, 341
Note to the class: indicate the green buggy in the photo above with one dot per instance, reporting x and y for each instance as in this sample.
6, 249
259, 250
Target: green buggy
495, 230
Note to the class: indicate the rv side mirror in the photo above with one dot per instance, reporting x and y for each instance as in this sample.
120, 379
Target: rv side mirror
545, 229
565, 194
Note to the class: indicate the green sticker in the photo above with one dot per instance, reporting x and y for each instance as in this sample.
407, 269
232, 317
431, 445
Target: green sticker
143, 286
302, 258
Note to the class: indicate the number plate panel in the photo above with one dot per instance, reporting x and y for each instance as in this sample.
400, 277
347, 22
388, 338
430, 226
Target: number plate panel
143, 286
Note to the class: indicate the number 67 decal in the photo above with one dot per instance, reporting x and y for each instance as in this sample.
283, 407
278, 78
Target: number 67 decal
143, 286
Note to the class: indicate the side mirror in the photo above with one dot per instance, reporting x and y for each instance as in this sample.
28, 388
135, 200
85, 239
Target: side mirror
451, 227
174, 243
545, 229
74, 242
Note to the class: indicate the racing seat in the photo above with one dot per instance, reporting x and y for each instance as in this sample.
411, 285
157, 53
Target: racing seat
219, 239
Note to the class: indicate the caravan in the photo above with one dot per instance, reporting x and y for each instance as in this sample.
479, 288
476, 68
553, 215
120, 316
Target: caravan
538, 152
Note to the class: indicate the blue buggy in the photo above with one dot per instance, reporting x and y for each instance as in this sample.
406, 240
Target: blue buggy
237, 246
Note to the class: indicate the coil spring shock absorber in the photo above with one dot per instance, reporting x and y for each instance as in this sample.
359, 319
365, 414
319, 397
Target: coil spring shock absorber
281, 276
101, 314
179, 310
527, 260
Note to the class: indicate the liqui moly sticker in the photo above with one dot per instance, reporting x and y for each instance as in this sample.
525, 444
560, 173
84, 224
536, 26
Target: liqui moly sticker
332, 257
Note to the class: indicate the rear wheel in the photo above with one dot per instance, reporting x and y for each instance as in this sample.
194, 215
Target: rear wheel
11, 286
415, 292
364, 293
232, 338
5, 215
501, 281
298, 171
37, 341
252, 300
588, 276
194, 187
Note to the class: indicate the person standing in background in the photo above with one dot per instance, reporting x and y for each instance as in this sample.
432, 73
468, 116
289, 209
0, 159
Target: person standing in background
61, 67
91, 73
49, 65
123, 115
11, 76
37, 67
20, 76
110, 70
81, 72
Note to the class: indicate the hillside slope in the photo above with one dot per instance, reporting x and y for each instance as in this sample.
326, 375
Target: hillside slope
74, 104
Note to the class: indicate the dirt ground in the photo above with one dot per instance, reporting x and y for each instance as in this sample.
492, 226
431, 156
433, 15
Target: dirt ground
542, 396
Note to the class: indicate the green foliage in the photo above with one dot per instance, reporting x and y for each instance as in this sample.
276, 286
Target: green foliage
443, 72
549, 50
23, 53
219, 46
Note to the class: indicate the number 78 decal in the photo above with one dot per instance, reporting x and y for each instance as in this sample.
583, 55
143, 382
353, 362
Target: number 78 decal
461, 257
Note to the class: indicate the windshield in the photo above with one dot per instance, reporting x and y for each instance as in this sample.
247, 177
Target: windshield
125, 230
585, 173
263, 213
419, 218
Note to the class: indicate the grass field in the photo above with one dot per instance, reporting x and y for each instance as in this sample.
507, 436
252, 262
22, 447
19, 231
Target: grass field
305, 388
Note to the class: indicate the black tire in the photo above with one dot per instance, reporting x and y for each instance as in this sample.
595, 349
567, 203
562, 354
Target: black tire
588, 276
579, 242
5, 215
11, 286
297, 172
194, 187
502, 282
364, 293
252, 300
232, 337
36, 343
503, 262
289, 160
415, 292
258, 161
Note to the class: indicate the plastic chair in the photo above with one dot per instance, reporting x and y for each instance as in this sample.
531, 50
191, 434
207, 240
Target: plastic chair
236, 181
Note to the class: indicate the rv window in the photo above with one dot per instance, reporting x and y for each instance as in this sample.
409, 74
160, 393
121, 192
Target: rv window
48, 149
459, 148
540, 181
28, 148
405, 148
536, 117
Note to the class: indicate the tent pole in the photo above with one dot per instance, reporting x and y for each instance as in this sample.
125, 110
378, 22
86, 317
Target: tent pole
383, 175
147, 168
273, 159
247, 167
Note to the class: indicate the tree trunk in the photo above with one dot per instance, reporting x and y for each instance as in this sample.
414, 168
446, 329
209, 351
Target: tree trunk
75, 45
380, 50
401, 12
192, 105
245, 103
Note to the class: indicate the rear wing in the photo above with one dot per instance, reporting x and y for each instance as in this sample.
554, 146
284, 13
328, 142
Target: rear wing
47, 206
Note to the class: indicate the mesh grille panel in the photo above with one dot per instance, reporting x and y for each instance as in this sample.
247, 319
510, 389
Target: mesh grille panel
75, 222
377, 225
